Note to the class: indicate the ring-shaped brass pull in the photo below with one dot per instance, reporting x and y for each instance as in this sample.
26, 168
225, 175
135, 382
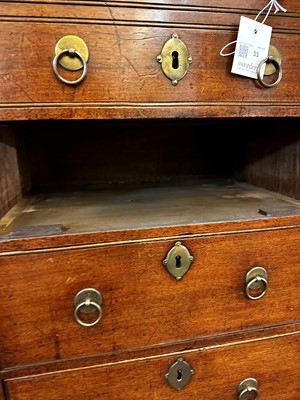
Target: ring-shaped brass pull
257, 281
86, 304
252, 282
71, 53
88, 301
247, 391
248, 386
278, 67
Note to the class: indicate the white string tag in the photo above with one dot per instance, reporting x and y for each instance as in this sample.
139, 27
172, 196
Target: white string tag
252, 46
270, 5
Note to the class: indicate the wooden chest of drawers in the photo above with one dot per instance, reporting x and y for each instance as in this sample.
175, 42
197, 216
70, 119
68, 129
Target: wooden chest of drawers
150, 229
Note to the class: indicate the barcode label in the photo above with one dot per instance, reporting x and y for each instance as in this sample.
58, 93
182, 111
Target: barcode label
243, 50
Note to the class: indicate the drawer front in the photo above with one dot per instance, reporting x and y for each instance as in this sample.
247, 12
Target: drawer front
142, 303
274, 364
123, 72
124, 68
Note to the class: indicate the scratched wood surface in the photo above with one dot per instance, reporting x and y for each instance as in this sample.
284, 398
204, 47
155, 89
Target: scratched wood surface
217, 374
124, 79
149, 318
152, 207
143, 305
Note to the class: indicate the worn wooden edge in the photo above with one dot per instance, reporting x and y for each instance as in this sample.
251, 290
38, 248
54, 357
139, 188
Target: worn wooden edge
172, 5
2, 397
164, 3
177, 349
62, 242
250, 3
94, 111
167, 5
10, 182
232, 27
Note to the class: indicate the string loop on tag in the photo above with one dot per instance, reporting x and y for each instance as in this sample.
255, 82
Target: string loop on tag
227, 54
269, 6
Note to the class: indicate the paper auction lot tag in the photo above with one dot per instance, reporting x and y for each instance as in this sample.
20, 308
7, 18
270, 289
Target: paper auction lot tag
252, 46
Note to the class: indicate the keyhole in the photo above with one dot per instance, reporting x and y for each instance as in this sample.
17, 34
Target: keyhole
179, 375
175, 60
178, 261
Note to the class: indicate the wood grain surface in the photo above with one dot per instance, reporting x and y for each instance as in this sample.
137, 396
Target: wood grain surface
142, 208
154, 138
273, 363
143, 304
124, 79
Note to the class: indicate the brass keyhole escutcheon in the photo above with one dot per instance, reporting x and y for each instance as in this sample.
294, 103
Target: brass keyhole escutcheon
179, 374
174, 59
178, 260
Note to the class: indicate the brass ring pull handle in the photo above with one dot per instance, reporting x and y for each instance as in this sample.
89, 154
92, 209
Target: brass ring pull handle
72, 53
88, 301
278, 67
256, 281
247, 387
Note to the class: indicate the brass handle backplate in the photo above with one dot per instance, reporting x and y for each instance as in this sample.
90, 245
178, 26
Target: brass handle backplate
88, 301
71, 53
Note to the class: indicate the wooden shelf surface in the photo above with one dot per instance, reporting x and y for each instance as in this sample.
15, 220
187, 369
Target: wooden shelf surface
149, 207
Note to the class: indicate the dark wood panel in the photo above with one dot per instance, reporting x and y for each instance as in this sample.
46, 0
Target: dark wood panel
217, 374
120, 154
2, 396
272, 160
10, 184
162, 152
139, 293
